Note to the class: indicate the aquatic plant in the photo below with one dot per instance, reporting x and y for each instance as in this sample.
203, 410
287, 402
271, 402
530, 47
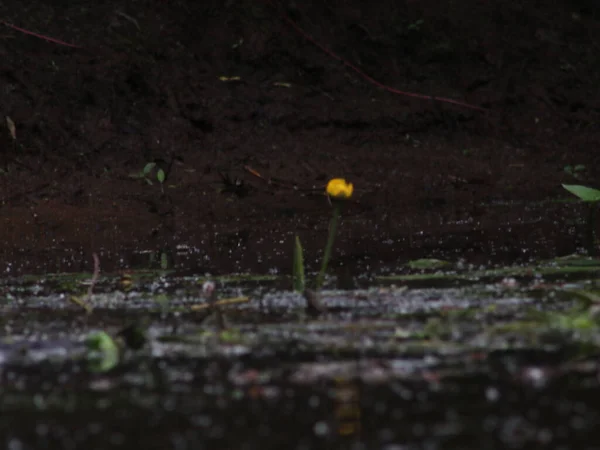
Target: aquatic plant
102, 352
590, 196
338, 190
299, 281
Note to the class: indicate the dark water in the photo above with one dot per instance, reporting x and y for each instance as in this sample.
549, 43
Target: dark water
474, 360
499, 402
501, 233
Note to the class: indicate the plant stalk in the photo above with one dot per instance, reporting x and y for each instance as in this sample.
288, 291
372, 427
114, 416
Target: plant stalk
333, 224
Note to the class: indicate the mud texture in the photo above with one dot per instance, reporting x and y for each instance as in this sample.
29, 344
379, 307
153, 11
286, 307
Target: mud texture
248, 118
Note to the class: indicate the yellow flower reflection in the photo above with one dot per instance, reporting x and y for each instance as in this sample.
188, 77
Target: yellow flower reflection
339, 189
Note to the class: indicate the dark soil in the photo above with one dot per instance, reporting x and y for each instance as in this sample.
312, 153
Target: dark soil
146, 84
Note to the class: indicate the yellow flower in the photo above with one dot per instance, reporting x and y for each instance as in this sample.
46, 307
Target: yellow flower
339, 189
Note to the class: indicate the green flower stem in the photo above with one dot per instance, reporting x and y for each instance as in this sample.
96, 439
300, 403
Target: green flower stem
333, 224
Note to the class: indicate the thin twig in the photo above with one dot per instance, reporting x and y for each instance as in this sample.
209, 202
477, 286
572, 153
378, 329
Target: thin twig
370, 79
283, 184
128, 17
39, 36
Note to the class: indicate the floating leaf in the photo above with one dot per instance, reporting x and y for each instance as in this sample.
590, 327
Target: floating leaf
427, 263
587, 194
103, 353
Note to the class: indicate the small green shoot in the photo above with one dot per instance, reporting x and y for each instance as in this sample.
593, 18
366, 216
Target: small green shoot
333, 223
150, 172
575, 171
591, 196
416, 25
299, 282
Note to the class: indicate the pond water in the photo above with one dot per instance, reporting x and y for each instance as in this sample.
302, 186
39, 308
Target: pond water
439, 332
440, 355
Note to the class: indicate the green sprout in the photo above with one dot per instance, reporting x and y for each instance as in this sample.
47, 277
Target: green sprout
298, 267
590, 196
147, 172
575, 171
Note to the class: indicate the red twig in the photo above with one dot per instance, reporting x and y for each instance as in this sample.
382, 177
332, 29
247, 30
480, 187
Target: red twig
368, 77
40, 36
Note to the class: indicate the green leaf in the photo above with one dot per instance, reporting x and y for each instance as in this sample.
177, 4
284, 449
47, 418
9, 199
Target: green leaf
575, 260
160, 176
298, 267
587, 194
148, 168
103, 353
427, 263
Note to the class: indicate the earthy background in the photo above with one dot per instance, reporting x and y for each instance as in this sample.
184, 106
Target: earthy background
216, 92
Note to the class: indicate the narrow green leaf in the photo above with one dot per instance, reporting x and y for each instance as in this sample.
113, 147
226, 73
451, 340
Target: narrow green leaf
298, 267
587, 194
148, 168
427, 263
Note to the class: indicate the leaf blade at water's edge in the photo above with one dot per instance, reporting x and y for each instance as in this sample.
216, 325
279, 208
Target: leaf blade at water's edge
586, 194
298, 267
